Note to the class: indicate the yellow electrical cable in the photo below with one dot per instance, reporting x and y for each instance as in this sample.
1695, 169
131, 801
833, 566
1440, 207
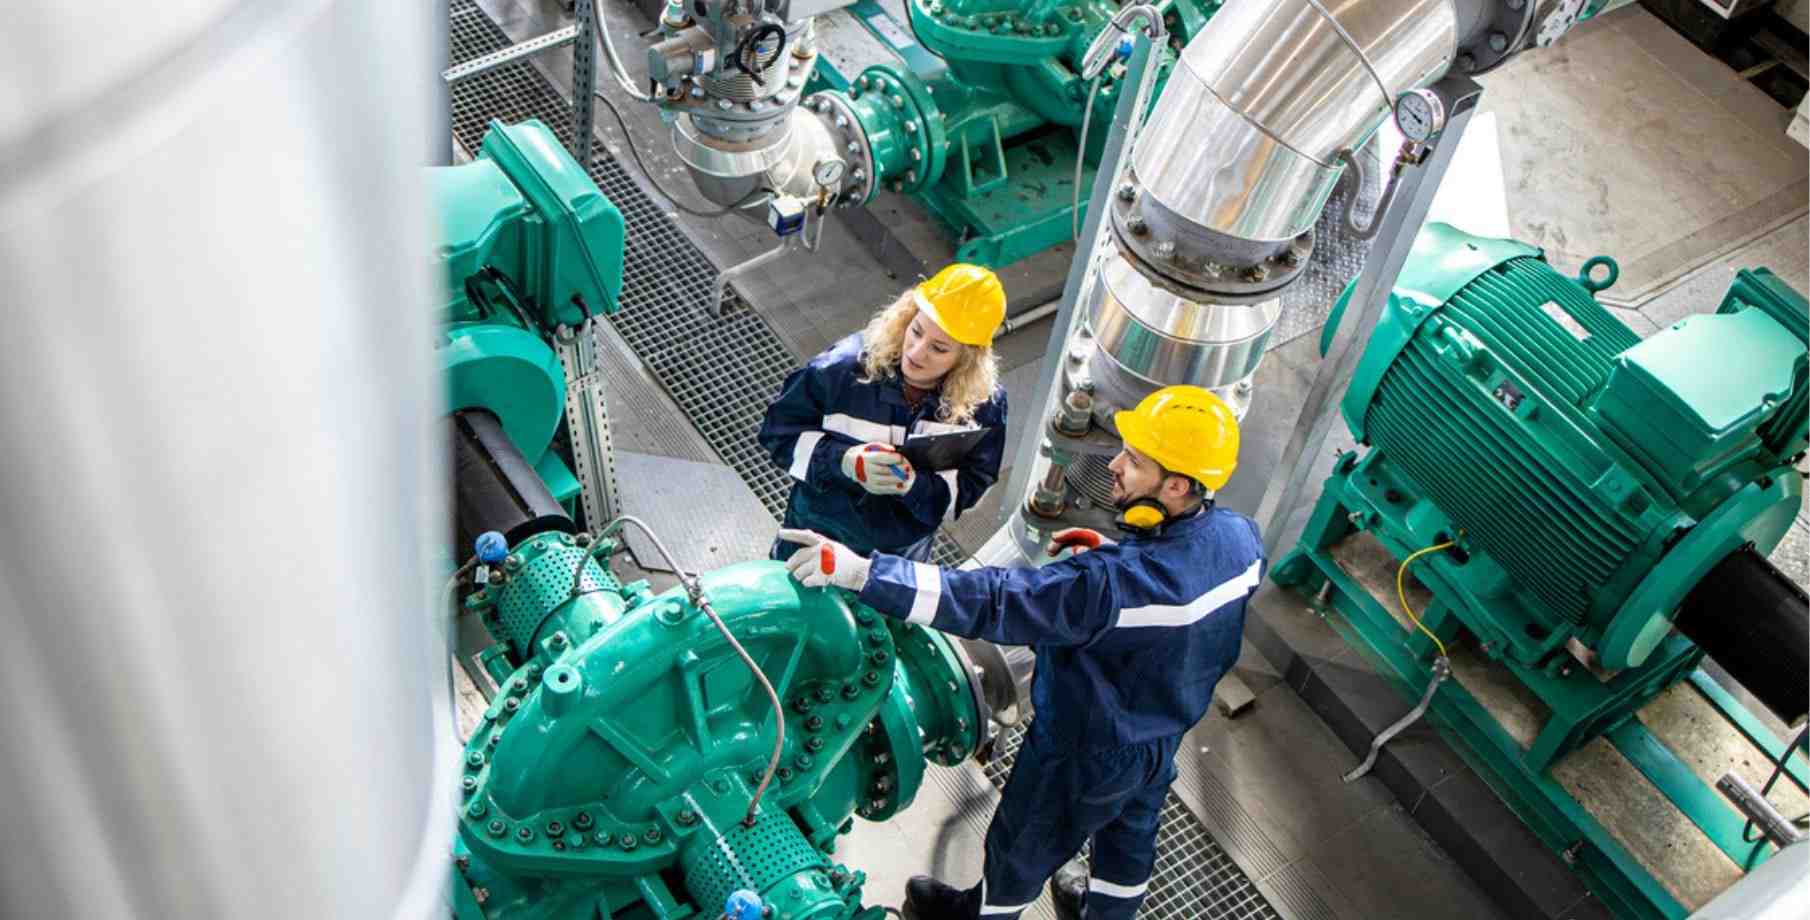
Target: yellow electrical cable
1401, 590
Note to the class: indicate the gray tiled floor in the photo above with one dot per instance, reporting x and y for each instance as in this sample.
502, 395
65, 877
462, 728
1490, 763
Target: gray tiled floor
1623, 139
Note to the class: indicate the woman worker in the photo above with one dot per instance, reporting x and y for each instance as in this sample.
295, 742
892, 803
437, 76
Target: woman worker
923, 365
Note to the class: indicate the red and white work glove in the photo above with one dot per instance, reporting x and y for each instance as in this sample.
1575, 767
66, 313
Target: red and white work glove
823, 561
1078, 539
879, 469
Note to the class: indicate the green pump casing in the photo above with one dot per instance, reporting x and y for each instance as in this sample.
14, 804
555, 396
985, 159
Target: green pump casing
1591, 479
611, 775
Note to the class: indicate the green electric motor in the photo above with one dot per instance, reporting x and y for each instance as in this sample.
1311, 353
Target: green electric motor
612, 775
1590, 480
528, 246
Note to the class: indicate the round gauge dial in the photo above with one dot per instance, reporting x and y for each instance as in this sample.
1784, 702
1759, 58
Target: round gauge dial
1419, 114
828, 173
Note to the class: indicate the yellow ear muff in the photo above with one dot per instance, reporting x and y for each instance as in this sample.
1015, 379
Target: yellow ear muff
1143, 517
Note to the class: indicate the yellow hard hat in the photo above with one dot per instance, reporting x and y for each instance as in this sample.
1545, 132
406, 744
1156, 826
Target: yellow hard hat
966, 300
1188, 430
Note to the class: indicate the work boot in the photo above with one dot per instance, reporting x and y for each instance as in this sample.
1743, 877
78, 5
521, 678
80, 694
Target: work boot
928, 899
1068, 890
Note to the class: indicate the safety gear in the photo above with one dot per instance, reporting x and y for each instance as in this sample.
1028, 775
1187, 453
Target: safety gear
825, 408
1057, 800
878, 468
928, 899
1144, 516
1130, 639
1078, 539
966, 300
1068, 889
1188, 430
822, 561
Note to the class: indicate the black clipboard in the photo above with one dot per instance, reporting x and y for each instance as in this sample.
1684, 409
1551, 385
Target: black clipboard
943, 450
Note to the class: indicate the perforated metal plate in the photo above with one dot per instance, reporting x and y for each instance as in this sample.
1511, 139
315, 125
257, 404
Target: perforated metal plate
752, 858
722, 371
1338, 257
542, 585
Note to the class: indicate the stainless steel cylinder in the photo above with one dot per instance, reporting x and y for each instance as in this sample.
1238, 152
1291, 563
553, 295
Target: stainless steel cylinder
811, 142
738, 131
726, 171
1147, 337
1246, 136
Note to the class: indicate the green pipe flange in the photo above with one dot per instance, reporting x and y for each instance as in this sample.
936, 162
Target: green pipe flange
1760, 514
911, 99
945, 698
900, 732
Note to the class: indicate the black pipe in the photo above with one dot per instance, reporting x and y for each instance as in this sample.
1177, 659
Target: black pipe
495, 487
1755, 623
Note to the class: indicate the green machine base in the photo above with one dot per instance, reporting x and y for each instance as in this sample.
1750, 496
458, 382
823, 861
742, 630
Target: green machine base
1514, 769
1023, 217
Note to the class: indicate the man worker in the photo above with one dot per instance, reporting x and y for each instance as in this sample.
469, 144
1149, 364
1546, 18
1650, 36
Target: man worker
1130, 638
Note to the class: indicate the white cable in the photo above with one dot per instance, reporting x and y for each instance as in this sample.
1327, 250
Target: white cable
609, 53
1074, 214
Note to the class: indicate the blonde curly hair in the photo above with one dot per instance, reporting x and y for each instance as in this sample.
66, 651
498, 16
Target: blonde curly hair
968, 384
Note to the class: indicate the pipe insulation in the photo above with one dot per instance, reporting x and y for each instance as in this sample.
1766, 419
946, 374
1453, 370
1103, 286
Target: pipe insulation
1244, 140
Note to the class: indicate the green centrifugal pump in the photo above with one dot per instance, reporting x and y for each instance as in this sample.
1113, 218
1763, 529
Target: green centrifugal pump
615, 773
1590, 511
984, 130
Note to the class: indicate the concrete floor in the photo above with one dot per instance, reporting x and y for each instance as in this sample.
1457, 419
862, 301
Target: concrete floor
1621, 139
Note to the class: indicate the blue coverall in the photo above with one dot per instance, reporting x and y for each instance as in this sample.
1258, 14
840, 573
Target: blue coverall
1130, 641
824, 409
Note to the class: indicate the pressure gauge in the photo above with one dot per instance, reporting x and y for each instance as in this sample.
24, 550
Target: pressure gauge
1420, 115
828, 172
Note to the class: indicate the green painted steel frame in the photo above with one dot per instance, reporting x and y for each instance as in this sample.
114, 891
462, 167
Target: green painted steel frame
1521, 776
1548, 810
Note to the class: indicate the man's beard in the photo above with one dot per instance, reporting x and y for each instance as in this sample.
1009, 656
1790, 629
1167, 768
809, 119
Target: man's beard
1127, 498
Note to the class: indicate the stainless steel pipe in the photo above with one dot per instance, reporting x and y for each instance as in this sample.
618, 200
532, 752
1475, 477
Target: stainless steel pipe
1156, 337
1245, 138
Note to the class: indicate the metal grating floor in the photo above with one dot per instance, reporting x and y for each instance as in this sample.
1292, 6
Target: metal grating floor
1193, 878
721, 371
